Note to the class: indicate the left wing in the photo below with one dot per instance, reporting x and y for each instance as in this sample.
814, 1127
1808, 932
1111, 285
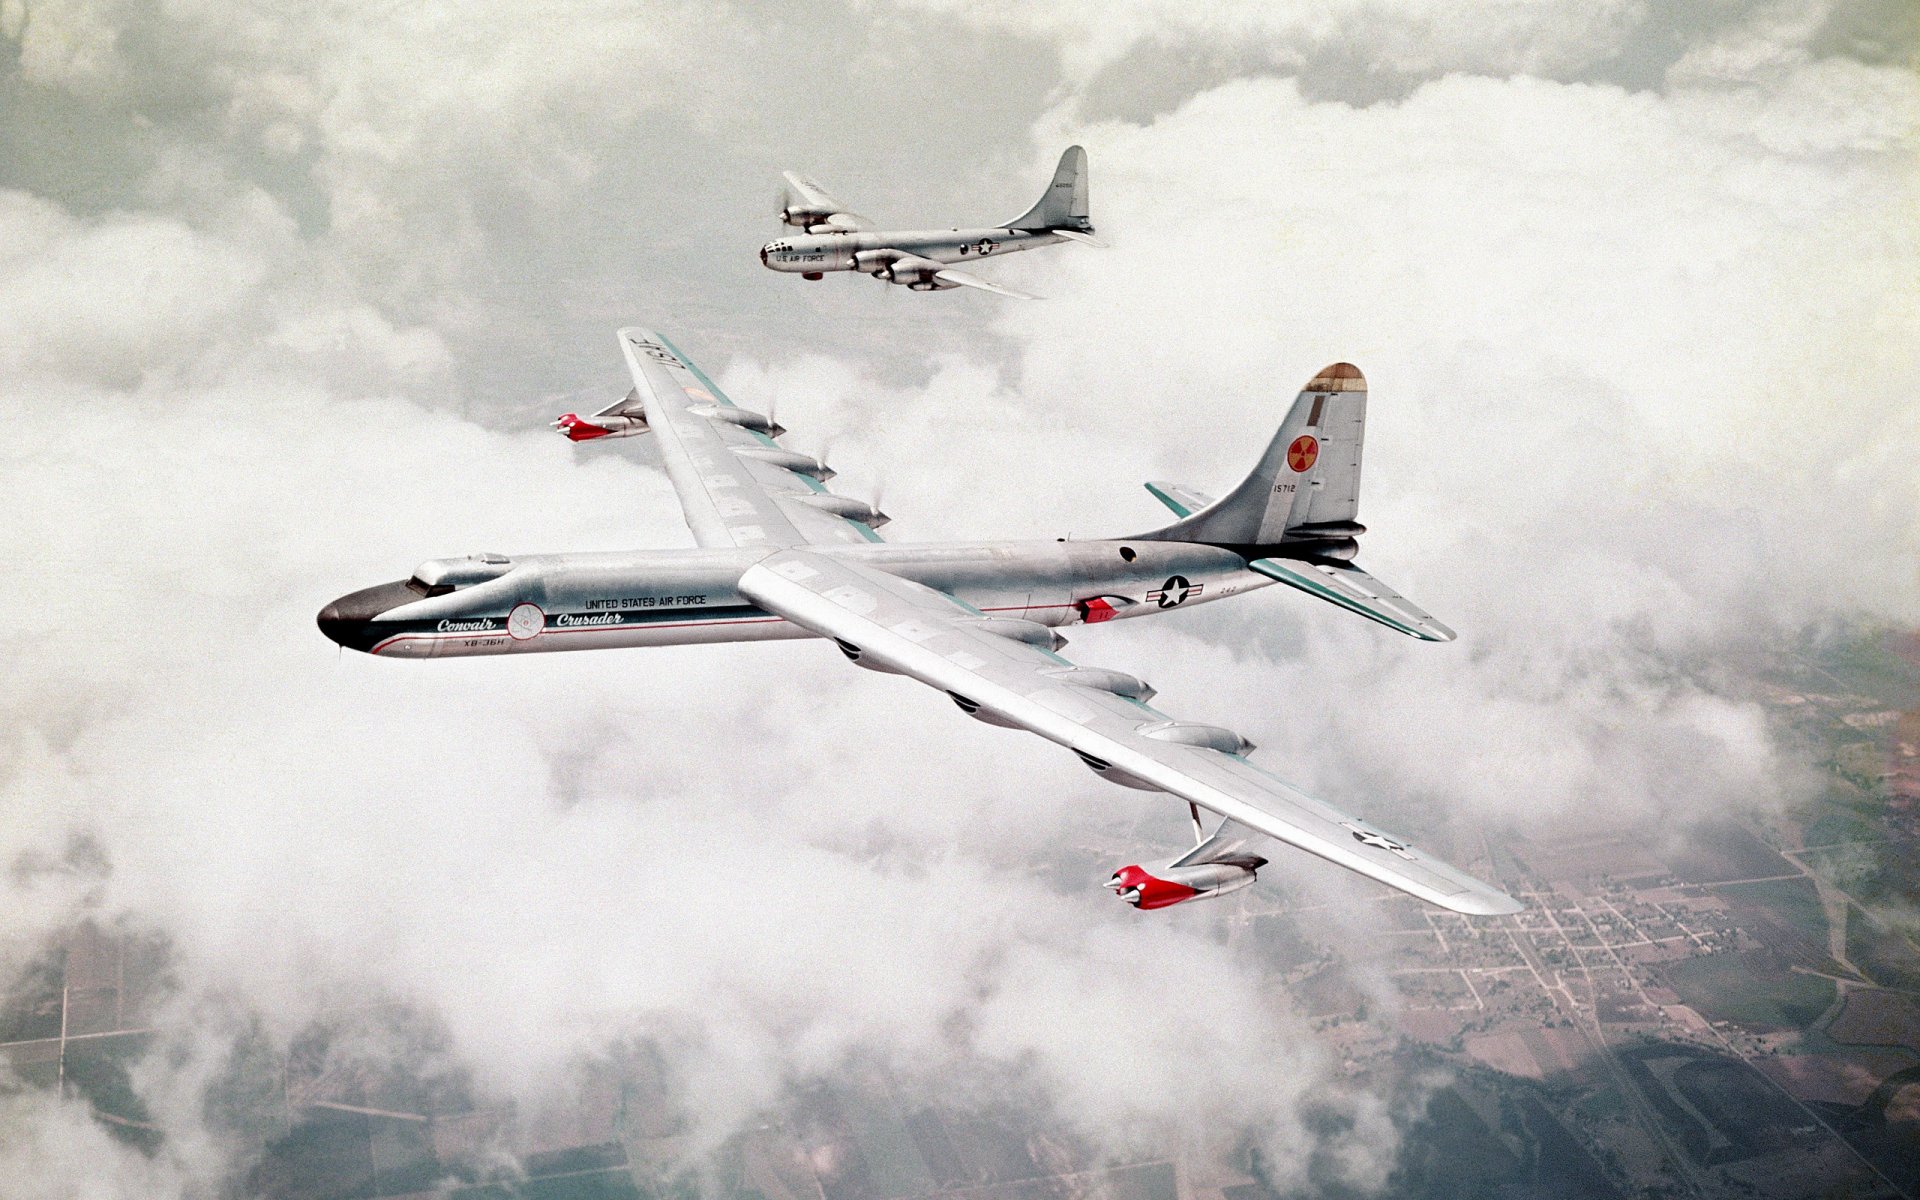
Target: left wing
832, 216
737, 486
965, 279
1004, 671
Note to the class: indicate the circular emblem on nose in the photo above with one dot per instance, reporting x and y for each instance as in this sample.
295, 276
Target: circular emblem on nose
1302, 453
526, 621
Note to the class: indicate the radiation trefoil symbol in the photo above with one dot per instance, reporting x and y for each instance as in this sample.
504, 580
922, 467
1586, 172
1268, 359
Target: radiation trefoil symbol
1302, 454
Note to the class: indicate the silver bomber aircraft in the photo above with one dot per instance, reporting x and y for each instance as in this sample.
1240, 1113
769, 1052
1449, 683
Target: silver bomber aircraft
780, 556
922, 259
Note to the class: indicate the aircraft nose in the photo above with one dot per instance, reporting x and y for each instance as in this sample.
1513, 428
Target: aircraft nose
763, 254
353, 619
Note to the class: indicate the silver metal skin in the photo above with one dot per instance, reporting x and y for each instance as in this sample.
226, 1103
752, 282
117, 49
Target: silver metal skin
686, 597
781, 556
877, 253
925, 259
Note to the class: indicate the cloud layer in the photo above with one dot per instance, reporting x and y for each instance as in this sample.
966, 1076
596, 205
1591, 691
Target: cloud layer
291, 308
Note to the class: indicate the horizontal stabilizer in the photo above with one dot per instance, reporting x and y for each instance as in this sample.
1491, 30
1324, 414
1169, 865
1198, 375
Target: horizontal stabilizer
963, 279
1353, 589
1074, 235
1183, 500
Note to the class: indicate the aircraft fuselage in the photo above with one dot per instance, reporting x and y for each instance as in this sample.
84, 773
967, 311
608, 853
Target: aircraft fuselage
813, 253
544, 602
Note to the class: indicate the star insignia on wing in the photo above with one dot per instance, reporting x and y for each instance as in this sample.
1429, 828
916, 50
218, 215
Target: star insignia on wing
1378, 840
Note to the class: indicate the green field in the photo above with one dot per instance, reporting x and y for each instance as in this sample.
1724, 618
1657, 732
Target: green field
1786, 916
1881, 951
1870, 662
1751, 990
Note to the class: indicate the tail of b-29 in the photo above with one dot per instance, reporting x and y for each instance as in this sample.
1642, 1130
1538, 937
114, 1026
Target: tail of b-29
1063, 208
1295, 514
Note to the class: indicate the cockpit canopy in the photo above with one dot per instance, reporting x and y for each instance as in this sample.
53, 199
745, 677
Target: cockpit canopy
438, 576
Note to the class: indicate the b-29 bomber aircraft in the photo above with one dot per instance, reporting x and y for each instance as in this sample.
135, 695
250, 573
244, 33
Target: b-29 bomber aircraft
921, 259
780, 556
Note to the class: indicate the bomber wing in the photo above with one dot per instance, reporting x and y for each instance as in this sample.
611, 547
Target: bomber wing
834, 216
737, 485
1005, 671
967, 279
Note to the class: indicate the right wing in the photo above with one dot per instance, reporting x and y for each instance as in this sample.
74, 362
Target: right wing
1356, 591
1005, 672
834, 217
964, 279
737, 486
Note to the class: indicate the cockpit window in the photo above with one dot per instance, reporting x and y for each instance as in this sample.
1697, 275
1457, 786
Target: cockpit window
439, 576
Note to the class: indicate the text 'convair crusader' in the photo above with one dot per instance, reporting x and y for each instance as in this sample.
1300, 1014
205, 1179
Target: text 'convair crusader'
782, 557
923, 259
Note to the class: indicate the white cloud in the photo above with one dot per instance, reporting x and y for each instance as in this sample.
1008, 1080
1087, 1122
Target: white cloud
1415, 37
1642, 367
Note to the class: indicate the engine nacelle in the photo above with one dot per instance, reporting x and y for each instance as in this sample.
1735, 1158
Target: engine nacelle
746, 418
584, 429
1019, 629
1192, 733
1175, 885
974, 709
792, 460
914, 271
848, 507
860, 658
1338, 549
837, 222
1118, 682
804, 216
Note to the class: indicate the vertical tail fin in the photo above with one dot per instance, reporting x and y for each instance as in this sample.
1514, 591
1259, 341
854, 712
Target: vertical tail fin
1064, 205
1306, 485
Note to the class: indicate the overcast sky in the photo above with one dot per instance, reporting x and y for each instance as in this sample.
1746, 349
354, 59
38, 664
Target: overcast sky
288, 295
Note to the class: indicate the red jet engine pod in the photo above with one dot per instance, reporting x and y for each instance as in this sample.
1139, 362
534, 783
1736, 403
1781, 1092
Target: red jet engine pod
580, 429
1173, 885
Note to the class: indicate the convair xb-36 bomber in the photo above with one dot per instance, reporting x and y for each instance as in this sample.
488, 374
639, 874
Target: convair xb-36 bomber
780, 556
922, 259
